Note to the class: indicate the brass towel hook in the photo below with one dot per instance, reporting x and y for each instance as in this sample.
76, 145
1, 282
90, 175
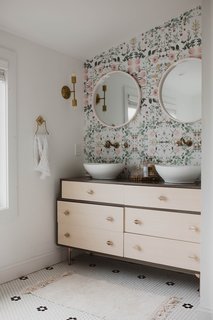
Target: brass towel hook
40, 121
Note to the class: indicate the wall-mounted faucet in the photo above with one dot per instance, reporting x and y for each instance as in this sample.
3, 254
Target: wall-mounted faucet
183, 142
109, 144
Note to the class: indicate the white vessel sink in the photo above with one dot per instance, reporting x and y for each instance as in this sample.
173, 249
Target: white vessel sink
104, 170
178, 174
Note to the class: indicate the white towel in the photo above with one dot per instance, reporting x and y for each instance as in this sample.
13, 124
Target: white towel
41, 163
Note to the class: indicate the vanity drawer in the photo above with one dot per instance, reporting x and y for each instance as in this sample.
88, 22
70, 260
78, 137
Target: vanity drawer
174, 253
96, 192
173, 225
163, 197
74, 214
91, 239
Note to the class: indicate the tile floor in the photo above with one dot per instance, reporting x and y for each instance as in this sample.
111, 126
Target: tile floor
15, 305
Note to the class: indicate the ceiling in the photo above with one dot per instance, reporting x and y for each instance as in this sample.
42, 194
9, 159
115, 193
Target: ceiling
84, 28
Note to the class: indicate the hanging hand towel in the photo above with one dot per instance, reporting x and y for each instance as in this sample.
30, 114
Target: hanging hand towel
41, 163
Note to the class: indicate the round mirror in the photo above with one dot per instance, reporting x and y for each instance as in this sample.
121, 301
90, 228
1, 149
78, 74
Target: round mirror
180, 90
116, 99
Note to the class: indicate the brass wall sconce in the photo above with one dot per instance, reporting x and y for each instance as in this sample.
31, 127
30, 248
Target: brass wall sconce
98, 98
66, 92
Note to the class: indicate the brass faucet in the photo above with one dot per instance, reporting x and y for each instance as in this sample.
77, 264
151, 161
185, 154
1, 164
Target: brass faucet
109, 144
183, 142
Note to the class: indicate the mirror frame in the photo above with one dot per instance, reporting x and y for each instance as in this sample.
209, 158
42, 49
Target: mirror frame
94, 98
163, 78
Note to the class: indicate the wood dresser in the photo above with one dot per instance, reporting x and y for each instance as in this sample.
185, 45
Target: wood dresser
151, 223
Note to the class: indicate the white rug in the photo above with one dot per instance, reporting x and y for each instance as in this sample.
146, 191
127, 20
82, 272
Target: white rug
105, 300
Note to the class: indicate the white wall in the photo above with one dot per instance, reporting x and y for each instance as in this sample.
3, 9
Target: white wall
206, 289
27, 240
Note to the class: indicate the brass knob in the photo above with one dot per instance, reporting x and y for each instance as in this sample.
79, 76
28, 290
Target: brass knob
137, 247
136, 221
109, 219
194, 257
162, 198
90, 191
109, 243
67, 234
66, 212
193, 228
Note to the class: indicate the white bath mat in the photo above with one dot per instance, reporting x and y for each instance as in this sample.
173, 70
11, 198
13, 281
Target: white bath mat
106, 300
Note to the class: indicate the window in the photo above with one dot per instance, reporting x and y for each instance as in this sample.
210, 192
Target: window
3, 137
8, 156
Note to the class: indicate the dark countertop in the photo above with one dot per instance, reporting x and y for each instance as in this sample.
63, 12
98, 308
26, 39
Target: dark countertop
196, 185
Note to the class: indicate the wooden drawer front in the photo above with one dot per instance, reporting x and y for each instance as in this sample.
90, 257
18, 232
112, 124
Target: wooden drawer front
180, 226
92, 192
91, 239
163, 198
90, 216
174, 253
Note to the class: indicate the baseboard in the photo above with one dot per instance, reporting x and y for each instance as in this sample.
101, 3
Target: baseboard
204, 314
31, 265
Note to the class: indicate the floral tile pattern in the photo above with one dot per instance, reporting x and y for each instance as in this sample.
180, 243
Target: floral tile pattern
152, 134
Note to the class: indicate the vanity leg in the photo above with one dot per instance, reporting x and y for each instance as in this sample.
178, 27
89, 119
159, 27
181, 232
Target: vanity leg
69, 253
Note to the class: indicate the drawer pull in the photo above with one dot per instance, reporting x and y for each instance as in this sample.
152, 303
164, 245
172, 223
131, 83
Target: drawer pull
193, 228
137, 247
162, 198
66, 212
110, 219
67, 234
194, 257
109, 243
136, 221
90, 191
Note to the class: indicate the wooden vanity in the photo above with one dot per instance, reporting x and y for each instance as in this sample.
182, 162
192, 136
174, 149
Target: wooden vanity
152, 223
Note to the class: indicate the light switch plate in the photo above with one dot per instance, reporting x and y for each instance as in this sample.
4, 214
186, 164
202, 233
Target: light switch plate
77, 150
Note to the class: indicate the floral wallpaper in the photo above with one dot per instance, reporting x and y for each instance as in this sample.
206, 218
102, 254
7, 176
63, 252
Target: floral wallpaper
152, 135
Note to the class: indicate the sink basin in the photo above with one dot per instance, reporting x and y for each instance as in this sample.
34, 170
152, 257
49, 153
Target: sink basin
178, 174
104, 170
